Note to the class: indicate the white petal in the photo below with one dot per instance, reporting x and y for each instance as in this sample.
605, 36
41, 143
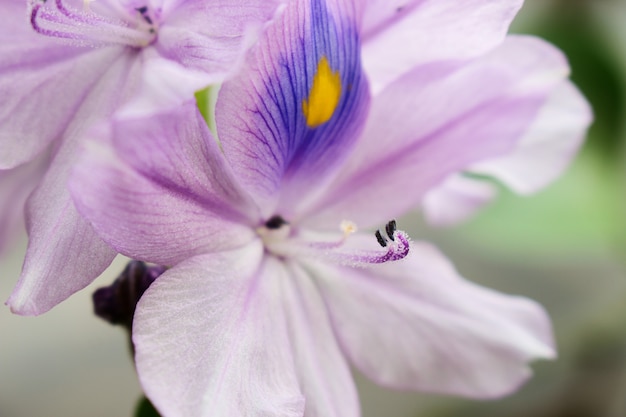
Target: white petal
210, 339
323, 372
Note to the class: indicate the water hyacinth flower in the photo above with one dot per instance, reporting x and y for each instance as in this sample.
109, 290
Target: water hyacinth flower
272, 290
67, 64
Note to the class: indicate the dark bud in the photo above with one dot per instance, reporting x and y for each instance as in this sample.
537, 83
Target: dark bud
390, 228
275, 222
117, 302
381, 240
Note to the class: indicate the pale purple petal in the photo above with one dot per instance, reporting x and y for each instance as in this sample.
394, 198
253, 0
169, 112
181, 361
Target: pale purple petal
211, 339
456, 199
401, 34
64, 253
541, 155
168, 193
323, 372
453, 117
416, 324
213, 35
16, 184
164, 85
547, 148
274, 147
44, 85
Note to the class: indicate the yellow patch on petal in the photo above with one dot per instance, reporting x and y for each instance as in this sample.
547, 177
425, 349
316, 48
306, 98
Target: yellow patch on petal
324, 95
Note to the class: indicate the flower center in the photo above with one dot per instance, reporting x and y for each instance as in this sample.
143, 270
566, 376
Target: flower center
283, 241
135, 27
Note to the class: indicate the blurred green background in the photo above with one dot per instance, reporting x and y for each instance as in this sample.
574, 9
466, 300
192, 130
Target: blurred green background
565, 247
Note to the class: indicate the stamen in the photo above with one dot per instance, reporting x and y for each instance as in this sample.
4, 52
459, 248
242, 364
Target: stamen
335, 251
89, 29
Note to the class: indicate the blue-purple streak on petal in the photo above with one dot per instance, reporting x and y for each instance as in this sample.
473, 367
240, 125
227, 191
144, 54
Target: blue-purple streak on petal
260, 114
451, 119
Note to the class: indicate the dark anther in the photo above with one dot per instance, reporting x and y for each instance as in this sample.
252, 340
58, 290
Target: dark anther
117, 302
275, 222
390, 228
143, 10
381, 240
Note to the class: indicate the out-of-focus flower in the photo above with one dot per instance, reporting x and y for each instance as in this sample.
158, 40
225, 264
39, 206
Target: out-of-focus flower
266, 302
70, 65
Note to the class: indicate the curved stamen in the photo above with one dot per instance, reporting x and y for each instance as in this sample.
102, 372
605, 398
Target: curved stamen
397, 249
335, 251
88, 28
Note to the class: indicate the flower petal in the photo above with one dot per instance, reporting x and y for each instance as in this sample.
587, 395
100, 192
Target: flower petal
167, 191
456, 199
323, 372
541, 155
296, 111
401, 34
453, 117
64, 253
210, 339
164, 85
212, 35
416, 324
16, 184
548, 146
45, 86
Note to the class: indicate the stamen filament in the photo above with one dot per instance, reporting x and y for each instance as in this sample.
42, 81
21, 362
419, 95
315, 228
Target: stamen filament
334, 251
89, 28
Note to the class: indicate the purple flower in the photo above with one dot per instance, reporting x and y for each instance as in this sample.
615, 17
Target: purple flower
72, 64
272, 290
